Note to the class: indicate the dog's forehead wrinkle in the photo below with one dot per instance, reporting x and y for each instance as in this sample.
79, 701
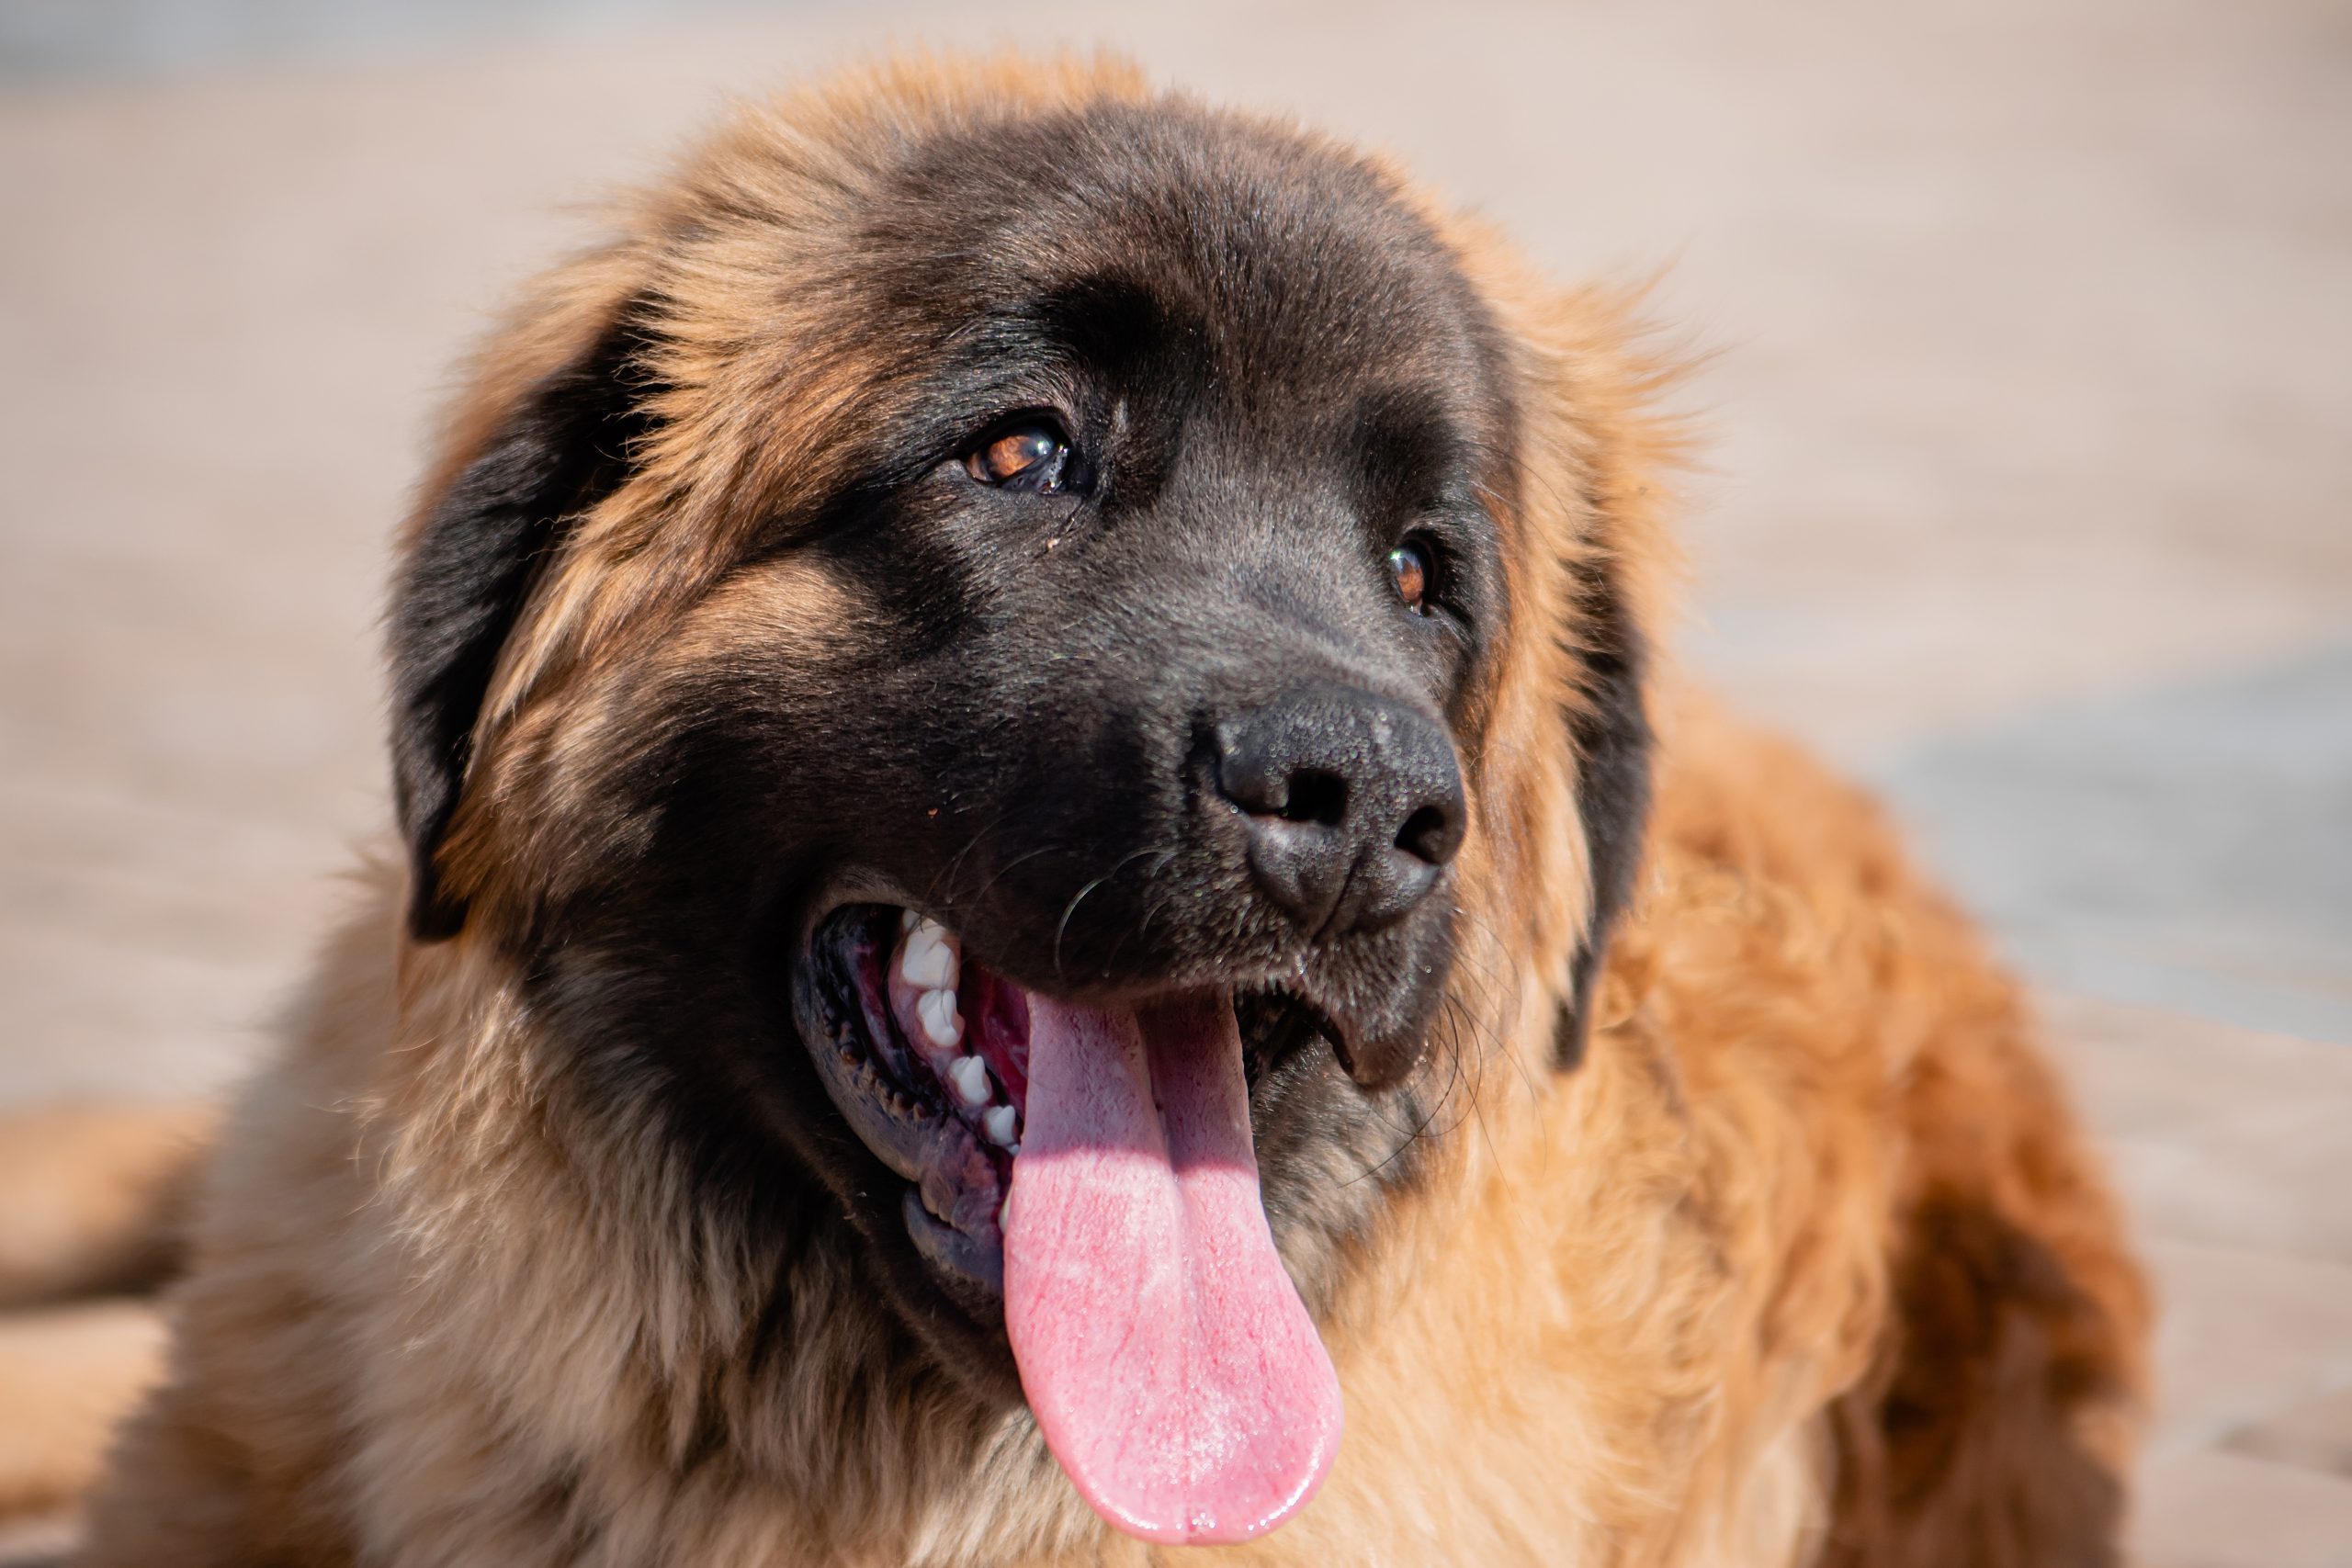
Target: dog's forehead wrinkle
1298, 260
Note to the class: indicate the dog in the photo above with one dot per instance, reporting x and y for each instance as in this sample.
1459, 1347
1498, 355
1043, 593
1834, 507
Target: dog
1054, 903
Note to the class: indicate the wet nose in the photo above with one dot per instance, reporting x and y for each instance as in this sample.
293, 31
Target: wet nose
1352, 802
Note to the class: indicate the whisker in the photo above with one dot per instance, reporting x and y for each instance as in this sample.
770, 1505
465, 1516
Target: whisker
1071, 909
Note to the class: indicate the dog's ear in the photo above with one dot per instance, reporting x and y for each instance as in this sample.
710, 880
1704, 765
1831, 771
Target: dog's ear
541, 455
1600, 456
1609, 726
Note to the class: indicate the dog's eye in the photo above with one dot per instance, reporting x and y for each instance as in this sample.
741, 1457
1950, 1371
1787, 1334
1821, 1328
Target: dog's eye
1411, 572
1027, 457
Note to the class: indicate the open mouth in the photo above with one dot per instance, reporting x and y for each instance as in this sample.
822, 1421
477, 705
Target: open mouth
927, 1058
1092, 1167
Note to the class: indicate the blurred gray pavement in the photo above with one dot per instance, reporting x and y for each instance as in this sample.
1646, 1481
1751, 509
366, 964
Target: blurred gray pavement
2028, 416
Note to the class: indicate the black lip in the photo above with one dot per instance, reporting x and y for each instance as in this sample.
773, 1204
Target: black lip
893, 1109
893, 1104
956, 1318
1277, 1023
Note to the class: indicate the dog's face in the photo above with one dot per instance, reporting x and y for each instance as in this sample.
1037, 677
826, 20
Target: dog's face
939, 613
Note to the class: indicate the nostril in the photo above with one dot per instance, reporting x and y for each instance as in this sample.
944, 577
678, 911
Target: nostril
1351, 805
1316, 797
1429, 834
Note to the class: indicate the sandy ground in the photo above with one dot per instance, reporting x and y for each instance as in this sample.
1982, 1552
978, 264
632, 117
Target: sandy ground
2027, 491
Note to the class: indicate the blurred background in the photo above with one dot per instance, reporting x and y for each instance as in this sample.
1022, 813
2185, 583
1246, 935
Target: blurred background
2028, 496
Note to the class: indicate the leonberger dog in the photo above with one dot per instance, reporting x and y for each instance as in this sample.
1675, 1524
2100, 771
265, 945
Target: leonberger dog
1055, 905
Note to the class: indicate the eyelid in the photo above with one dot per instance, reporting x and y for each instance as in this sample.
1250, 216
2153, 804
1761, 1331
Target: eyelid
1022, 417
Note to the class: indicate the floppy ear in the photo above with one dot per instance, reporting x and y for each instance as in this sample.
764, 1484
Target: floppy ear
1609, 730
475, 553
1603, 454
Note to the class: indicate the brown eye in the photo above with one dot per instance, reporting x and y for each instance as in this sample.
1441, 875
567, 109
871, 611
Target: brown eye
1027, 457
1408, 571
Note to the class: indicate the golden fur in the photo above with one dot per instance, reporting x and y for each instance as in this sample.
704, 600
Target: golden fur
1804, 1261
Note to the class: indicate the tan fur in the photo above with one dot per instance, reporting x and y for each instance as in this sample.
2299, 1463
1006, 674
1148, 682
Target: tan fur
66, 1375
447, 1307
88, 1195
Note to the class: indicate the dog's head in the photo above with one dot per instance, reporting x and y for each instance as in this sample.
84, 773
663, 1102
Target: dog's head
1017, 637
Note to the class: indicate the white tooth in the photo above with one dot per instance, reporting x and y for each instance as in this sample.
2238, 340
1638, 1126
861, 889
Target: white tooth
998, 1124
940, 1020
970, 1077
1014, 1149
917, 953
928, 958
907, 919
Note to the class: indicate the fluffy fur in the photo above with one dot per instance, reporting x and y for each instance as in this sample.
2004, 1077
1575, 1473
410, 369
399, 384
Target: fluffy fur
1744, 1227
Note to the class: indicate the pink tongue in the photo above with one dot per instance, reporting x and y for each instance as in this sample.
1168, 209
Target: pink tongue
1169, 1359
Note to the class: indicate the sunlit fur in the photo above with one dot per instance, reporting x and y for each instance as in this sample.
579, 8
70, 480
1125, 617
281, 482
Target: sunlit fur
1804, 1261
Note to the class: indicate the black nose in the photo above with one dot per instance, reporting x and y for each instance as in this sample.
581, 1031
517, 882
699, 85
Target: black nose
1353, 804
